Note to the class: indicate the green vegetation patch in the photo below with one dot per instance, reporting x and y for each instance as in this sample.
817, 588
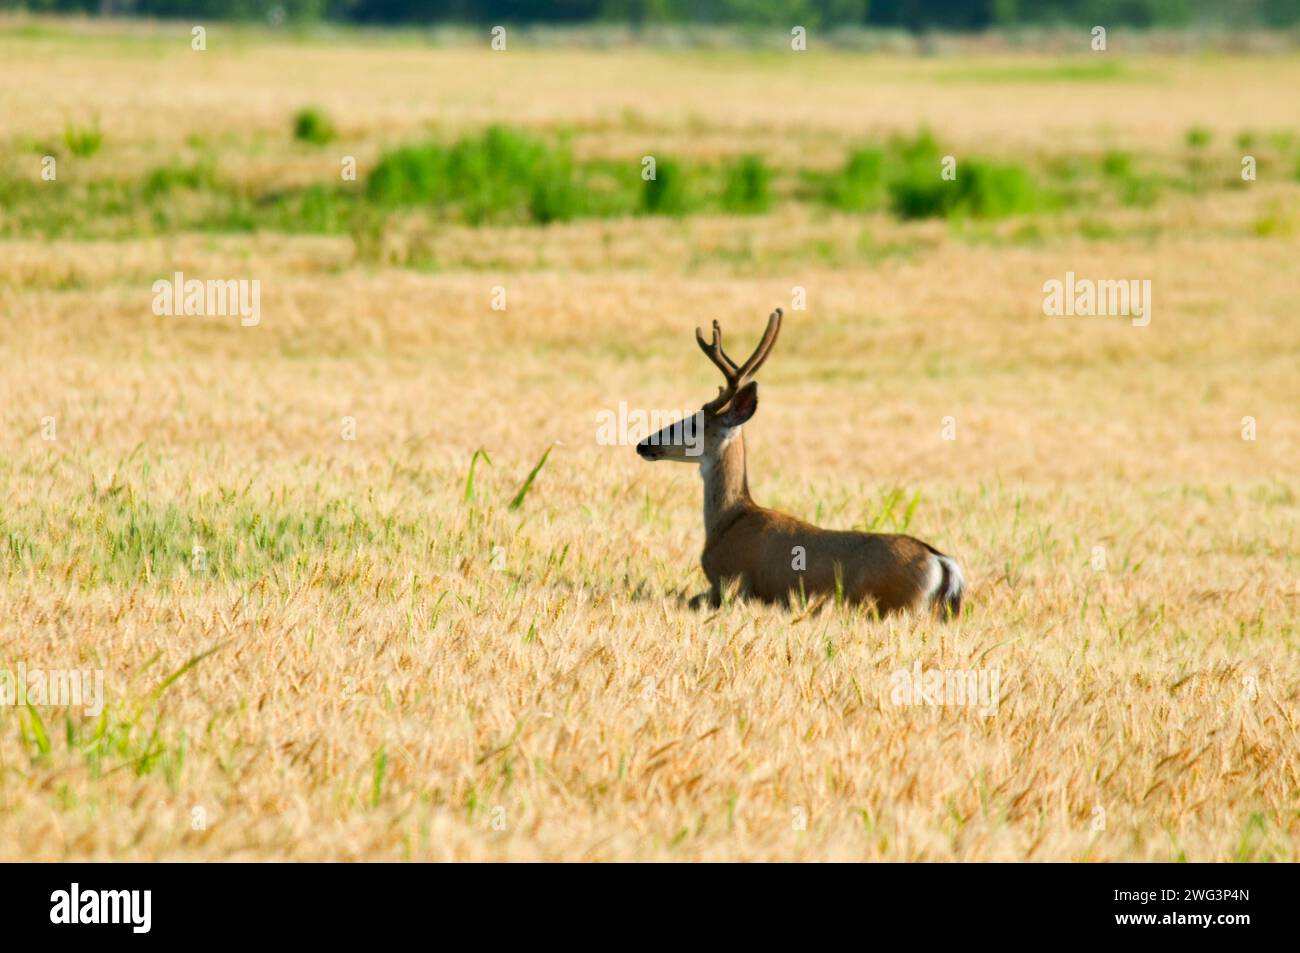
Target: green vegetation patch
502, 176
913, 179
499, 176
312, 126
1094, 70
122, 537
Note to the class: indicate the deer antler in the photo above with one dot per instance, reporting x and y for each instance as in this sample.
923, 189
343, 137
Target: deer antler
737, 377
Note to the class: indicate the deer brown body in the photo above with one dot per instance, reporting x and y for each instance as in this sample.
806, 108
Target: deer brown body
774, 556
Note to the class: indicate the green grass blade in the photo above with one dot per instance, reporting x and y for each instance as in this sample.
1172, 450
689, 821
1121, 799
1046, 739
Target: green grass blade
195, 660
469, 481
518, 501
39, 735
377, 778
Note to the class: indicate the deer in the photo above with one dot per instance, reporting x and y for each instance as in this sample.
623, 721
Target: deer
772, 556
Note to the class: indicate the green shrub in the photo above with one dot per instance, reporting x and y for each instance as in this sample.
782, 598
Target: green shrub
907, 175
84, 141
860, 185
1132, 187
981, 189
669, 192
993, 189
1117, 164
915, 187
166, 179
1198, 138
317, 208
311, 125
922, 148
556, 197
499, 176
611, 187
748, 188
409, 175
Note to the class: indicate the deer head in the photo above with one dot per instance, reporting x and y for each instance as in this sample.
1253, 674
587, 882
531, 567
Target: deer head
719, 418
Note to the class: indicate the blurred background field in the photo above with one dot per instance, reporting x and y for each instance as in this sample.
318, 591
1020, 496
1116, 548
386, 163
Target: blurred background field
403, 665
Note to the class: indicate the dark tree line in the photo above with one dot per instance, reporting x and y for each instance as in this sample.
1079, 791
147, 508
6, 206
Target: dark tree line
913, 15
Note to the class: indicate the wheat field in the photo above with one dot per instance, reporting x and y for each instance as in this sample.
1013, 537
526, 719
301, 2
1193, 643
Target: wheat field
322, 638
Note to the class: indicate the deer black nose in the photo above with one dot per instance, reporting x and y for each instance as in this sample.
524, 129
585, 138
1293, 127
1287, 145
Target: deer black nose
646, 450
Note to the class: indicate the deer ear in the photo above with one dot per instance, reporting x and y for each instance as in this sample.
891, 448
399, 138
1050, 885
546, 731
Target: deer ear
742, 406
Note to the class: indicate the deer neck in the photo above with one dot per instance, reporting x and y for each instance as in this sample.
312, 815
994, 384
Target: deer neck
726, 489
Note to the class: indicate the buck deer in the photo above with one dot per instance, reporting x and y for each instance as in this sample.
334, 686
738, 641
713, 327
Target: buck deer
773, 555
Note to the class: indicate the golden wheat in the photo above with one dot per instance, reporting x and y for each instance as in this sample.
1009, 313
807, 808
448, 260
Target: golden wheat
397, 671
